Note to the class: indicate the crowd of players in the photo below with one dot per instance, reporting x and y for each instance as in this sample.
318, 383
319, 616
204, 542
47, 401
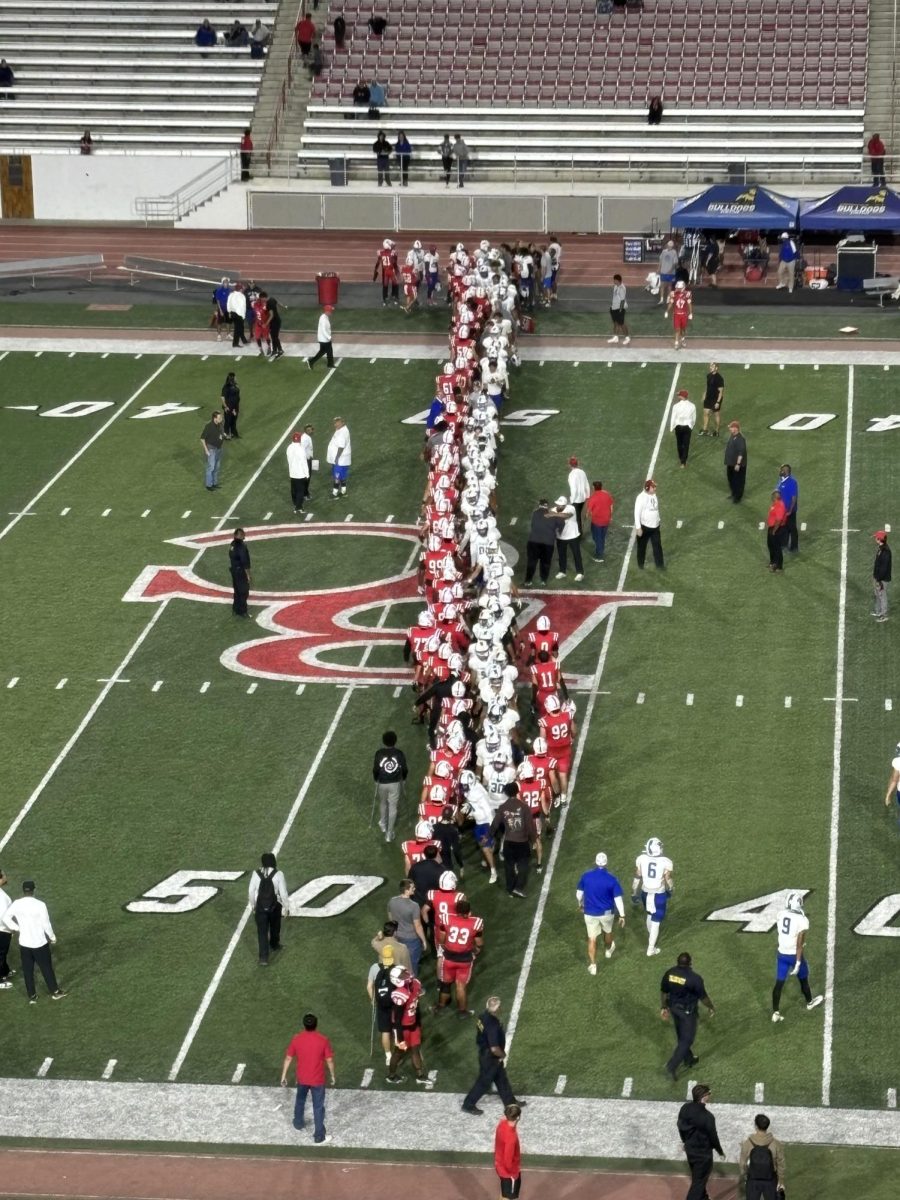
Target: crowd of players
485, 776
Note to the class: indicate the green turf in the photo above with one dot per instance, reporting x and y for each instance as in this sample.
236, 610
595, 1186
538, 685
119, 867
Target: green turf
748, 324
179, 779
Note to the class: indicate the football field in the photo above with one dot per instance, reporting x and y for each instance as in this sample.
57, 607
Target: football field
152, 745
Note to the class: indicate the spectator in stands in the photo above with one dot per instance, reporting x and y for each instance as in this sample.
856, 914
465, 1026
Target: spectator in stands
377, 94
361, 94
305, 30
655, 111
876, 150
462, 155
316, 62
246, 155
403, 154
205, 35
259, 34
787, 263
340, 32
87, 142
381, 148
446, 152
236, 36
377, 24
668, 261
7, 79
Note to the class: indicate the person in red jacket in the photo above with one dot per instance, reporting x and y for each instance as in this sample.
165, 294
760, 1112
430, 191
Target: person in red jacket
508, 1154
305, 30
876, 150
246, 155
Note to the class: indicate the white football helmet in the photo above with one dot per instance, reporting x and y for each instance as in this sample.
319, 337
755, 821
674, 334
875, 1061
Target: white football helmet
539, 745
552, 705
543, 624
466, 779
443, 770
447, 882
448, 368
388, 244
423, 830
426, 619
795, 902
680, 285
526, 771
463, 331
417, 245
458, 691
654, 847
399, 975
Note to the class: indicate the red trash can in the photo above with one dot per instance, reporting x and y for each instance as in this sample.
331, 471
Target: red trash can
328, 285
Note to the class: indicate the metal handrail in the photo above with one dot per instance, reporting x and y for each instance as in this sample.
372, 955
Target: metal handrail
191, 194
284, 94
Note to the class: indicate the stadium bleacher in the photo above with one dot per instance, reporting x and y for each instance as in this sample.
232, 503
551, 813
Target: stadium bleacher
134, 78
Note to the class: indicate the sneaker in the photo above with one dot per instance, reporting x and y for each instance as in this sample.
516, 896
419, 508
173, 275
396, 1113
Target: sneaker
539, 869
598, 560
578, 578
394, 1078
473, 1110
652, 950
308, 363
814, 1003
592, 969
422, 1079
32, 999
563, 798
343, 491
881, 620
263, 962
780, 286
702, 433
323, 1141
462, 1013
776, 1017
625, 341
493, 878
613, 341
610, 951
59, 993
560, 574
5, 984
517, 892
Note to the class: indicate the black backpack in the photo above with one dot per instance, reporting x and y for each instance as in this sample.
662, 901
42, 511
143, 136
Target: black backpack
761, 1164
265, 897
383, 988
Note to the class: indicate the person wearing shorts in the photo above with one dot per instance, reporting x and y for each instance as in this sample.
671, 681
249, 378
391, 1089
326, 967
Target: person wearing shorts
508, 1154
618, 309
599, 896
712, 400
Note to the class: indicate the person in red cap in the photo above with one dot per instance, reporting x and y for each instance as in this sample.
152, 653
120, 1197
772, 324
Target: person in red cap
508, 1153
684, 418
298, 470
579, 489
881, 577
646, 525
323, 336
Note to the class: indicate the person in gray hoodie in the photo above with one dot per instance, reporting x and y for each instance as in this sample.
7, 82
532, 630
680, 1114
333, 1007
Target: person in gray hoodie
762, 1162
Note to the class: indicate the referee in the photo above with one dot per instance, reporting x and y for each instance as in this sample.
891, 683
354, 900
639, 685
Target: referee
682, 990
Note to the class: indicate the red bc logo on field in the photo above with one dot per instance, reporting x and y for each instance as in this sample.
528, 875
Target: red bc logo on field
311, 631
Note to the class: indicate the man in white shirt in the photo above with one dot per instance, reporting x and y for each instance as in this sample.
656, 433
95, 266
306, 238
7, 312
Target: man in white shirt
646, 525
28, 917
298, 470
684, 418
567, 539
268, 898
338, 458
5, 936
323, 336
237, 310
579, 489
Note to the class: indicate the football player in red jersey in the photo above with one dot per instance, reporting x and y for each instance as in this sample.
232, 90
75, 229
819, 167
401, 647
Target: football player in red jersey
386, 263
461, 938
438, 785
407, 1026
443, 901
557, 726
680, 305
542, 637
546, 680
414, 849
262, 318
445, 382
536, 794
410, 286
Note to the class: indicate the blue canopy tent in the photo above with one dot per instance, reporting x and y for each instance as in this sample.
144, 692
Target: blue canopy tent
854, 209
735, 206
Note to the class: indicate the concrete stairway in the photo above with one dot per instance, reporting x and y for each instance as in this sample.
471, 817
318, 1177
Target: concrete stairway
282, 27
284, 156
881, 107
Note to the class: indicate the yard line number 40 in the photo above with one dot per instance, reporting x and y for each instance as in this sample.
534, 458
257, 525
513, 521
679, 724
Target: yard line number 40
182, 893
760, 914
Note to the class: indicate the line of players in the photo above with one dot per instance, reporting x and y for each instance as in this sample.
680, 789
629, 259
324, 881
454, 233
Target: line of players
468, 655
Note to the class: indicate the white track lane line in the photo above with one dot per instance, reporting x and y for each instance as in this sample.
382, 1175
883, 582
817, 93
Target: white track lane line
148, 628
528, 960
828, 1030
87, 445
286, 828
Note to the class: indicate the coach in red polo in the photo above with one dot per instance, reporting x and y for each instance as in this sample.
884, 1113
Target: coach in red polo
312, 1052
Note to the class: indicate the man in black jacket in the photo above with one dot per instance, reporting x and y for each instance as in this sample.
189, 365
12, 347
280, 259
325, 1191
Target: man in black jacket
545, 527
239, 563
516, 825
881, 577
389, 771
697, 1130
736, 461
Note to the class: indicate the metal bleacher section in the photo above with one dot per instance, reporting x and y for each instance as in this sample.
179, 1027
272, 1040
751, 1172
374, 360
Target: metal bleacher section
554, 88
131, 74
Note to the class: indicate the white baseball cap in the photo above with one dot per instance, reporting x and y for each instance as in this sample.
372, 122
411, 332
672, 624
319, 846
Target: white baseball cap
601, 860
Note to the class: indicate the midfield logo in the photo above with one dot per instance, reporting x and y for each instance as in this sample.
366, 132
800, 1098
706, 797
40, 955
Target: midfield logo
312, 630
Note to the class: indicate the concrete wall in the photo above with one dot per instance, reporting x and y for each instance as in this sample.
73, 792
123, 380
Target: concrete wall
103, 187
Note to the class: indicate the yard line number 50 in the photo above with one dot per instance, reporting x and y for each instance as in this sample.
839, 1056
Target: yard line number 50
182, 893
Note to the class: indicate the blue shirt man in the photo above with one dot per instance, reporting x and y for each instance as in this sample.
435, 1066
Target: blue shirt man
789, 491
599, 896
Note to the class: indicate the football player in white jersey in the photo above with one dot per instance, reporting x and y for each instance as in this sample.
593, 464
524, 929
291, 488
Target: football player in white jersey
480, 804
791, 927
652, 887
892, 796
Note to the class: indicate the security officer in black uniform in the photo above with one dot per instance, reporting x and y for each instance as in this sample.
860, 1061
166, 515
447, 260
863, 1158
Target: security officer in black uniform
239, 562
491, 1042
682, 991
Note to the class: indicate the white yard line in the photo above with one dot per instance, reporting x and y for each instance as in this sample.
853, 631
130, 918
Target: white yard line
87, 445
585, 726
828, 1031
286, 828
148, 628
